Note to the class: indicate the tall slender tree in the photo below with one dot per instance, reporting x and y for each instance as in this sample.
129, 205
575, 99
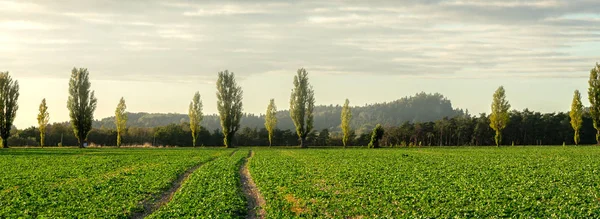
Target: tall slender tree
302, 104
81, 104
229, 104
271, 120
9, 95
594, 97
43, 119
120, 120
576, 115
499, 116
346, 117
195, 114
376, 136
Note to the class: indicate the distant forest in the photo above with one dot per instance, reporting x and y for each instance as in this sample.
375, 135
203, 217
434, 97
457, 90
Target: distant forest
420, 120
421, 107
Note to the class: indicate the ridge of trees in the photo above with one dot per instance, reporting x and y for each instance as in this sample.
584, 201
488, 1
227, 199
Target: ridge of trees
422, 107
524, 128
461, 129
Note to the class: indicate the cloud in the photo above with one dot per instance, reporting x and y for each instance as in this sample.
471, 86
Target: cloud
142, 46
506, 4
178, 34
97, 18
225, 10
25, 25
21, 7
141, 23
408, 38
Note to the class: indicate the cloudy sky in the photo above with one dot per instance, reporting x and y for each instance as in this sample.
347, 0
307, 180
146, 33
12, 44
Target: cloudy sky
158, 53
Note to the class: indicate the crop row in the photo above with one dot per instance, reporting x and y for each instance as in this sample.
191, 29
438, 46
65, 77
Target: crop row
90, 183
441, 183
212, 191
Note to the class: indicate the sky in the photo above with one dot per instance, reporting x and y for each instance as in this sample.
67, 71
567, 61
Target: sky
157, 54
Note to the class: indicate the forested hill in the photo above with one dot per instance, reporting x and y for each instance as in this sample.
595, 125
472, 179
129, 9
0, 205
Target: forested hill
419, 108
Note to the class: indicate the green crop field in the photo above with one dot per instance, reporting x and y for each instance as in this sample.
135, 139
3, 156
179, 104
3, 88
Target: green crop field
89, 183
213, 191
533, 182
538, 182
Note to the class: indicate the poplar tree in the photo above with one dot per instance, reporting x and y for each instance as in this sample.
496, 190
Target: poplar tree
302, 104
9, 94
576, 115
376, 136
81, 104
43, 118
229, 104
345, 118
594, 97
271, 120
499, 116
120, 120
195, 114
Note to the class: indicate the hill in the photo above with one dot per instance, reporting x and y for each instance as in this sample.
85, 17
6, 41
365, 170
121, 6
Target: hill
421, 107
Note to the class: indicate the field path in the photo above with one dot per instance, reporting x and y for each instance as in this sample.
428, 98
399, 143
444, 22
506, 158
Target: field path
154, 204
256, 202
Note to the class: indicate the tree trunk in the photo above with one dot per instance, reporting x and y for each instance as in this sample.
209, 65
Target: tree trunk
498, 138
118, 140
42, 139
228, 140
5, 142
598, 136
303, 142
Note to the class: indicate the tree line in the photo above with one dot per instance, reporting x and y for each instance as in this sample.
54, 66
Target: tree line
82, 104
500, 127
525, 127
420, 107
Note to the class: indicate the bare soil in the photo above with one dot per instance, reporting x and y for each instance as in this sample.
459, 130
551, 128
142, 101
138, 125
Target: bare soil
256, 202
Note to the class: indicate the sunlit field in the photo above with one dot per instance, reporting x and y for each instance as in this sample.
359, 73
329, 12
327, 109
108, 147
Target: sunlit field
539, 182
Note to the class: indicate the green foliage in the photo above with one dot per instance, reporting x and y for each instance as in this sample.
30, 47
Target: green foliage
376, 136
441, 125
524, 128
594, 97
514, 182
9, 95
212, 191
346, 116
120, 120
271, 120
229, 104
43, 118
195, 114
94, 183
81, 104
421, 107
576, 115
499, 116
323, 138
302, 104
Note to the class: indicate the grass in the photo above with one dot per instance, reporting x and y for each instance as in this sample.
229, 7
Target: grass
532, 182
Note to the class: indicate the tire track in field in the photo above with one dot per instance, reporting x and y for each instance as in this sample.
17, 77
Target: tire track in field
256, 202
150, 206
